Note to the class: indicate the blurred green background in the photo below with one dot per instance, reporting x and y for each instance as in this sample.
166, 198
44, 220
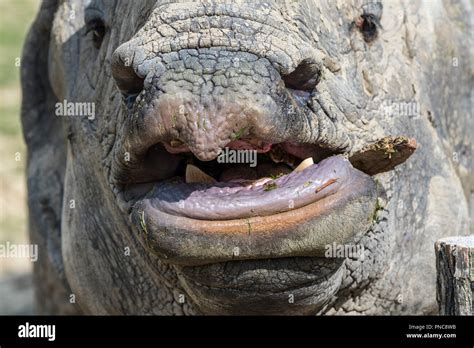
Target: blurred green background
15, 290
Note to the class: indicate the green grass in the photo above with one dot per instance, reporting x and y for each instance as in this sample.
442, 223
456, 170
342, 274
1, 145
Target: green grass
142, 222
240, 132
17, 227
10, 120
16, 17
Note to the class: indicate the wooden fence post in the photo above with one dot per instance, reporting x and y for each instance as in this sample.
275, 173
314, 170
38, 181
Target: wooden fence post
455, 275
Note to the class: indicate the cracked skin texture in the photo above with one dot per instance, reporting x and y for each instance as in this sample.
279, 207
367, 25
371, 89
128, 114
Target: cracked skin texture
227, 61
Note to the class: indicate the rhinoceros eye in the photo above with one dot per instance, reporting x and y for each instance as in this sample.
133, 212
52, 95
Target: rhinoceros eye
97, 29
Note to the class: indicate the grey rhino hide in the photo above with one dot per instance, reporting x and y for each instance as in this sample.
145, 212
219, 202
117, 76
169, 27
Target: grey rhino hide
422, 54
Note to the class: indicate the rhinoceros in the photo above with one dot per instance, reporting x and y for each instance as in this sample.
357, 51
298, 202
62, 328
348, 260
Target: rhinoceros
355, 117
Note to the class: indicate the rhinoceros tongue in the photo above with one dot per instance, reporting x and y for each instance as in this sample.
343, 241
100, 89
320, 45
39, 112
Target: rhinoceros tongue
236, 200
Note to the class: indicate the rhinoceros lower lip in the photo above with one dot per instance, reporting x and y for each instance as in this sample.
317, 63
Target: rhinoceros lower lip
298, 216
245, 199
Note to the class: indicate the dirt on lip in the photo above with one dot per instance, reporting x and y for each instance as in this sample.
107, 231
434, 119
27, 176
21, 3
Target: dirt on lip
383, 155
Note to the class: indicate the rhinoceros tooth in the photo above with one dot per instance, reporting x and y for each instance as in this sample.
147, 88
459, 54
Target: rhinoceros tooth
194, 174
305, 164
260, 182
176, 143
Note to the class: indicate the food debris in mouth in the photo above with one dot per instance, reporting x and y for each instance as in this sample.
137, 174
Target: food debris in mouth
326, 184
269, 186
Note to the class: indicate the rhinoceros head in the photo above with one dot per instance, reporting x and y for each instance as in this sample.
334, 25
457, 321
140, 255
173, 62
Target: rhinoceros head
245, 157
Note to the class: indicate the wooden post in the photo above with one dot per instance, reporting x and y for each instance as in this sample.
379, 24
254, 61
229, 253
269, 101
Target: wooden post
455, 275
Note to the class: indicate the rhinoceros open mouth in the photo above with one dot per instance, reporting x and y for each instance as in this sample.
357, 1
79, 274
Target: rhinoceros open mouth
274, 182
281, 205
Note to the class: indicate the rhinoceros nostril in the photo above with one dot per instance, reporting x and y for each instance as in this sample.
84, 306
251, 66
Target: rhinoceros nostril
127, 80
305, 77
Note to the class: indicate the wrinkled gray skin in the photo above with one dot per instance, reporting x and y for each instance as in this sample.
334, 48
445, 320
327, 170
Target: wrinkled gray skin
422, 54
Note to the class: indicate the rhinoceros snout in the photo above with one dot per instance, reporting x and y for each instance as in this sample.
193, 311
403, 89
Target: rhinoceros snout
200, 100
